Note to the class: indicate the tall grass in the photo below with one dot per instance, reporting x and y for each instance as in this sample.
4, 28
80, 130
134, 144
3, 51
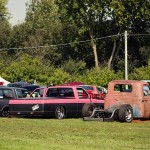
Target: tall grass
72, 134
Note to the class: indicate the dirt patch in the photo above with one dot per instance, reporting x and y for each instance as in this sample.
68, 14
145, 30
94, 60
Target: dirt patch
138, 120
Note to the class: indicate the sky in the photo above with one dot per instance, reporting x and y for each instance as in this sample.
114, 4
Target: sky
17, 10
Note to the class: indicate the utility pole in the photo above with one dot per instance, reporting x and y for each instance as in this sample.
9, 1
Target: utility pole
126, 59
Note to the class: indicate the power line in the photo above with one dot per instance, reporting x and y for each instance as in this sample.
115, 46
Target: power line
71, 43
58, 45
139, 34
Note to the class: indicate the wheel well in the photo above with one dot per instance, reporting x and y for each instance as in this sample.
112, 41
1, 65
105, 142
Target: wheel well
124, 105
63, 107
5, 108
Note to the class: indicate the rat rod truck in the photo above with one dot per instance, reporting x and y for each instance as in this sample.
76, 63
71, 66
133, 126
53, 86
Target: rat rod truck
124, 101
58, 102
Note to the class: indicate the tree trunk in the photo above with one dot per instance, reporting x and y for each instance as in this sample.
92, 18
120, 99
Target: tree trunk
94, 49
95, 54
112, 63
112, 55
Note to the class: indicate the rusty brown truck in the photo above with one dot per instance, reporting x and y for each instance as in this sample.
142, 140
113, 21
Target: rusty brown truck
125, 100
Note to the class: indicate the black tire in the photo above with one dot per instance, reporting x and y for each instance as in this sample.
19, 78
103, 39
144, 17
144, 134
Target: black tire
5, 112
125, 113
87, 109
60, 112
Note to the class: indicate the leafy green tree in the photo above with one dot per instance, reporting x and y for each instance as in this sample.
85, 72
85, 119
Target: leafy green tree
42, 19
89, 16
74, 67
4, 25
42, 25
142, 73
28, 68
101, 76
5, 31
130, 15
102, 18
3, 9
59, 77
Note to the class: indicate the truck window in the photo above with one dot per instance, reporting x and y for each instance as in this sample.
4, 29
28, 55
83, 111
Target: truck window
60, 92
146, 90
82, 94
123, 88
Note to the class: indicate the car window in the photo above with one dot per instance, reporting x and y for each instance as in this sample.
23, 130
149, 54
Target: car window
99, 89
8, 93
39, 92
22, 93
86, 87
25, 93
1, 93
82, 94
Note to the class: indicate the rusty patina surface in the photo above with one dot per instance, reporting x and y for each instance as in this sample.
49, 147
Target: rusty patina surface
133, 92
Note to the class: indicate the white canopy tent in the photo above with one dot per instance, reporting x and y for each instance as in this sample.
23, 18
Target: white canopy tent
3, 81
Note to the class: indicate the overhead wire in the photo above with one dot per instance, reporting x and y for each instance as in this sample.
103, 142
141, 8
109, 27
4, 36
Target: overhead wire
70, 43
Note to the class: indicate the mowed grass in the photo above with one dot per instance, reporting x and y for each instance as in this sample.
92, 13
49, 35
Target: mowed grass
72, 134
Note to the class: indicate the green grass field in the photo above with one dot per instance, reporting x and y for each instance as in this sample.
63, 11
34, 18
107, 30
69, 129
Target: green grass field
72, 134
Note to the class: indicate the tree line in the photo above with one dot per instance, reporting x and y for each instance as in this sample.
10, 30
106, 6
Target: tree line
62, 40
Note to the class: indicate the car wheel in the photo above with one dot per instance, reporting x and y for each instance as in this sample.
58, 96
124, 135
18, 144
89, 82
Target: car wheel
60, 112
87, 109
5, 112
125, 113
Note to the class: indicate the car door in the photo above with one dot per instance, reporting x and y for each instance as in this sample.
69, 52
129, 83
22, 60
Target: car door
5, 96
27, 106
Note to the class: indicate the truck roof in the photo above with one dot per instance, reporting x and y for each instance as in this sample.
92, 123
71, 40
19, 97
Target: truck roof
64, 86
127, 81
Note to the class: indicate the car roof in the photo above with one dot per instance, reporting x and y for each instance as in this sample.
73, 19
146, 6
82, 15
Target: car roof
6, 87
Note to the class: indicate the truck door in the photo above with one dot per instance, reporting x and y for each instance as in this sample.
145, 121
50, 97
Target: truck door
61, 97
146, 100
83, 98
28, 106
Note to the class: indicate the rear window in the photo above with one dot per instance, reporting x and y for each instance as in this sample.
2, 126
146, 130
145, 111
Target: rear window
123, 88
60, 92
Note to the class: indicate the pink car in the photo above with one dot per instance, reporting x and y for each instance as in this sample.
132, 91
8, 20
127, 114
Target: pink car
96, 92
